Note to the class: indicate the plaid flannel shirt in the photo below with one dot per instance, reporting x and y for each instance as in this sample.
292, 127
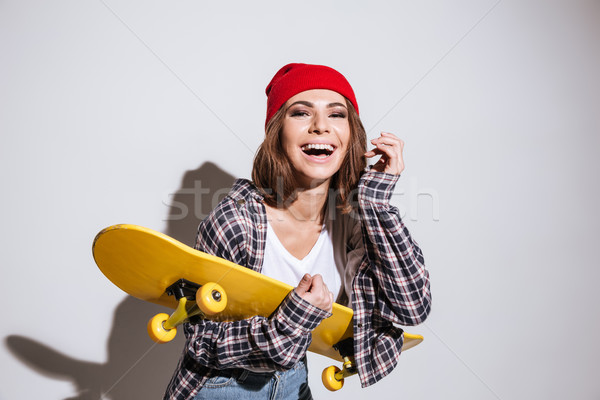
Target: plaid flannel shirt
390, 286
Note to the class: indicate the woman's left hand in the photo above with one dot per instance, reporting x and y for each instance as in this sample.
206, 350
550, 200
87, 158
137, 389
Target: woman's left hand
390, 148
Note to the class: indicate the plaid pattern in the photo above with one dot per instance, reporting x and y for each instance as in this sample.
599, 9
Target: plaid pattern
391, 283
391, 286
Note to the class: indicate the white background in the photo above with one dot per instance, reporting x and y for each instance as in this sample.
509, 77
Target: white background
111, 110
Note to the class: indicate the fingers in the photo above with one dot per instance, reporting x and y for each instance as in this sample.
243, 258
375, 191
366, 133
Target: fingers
388, 144
304, 284
373, 153
323, 298
315, 291
390, 148
384, 144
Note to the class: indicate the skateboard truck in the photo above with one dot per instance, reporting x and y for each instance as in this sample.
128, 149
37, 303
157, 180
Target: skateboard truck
210, 298
183, 288
333, 377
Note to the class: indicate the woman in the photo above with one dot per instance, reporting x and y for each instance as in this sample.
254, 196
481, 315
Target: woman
311, 217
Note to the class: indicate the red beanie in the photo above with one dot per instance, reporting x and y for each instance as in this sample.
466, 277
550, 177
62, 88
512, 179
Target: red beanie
295, 78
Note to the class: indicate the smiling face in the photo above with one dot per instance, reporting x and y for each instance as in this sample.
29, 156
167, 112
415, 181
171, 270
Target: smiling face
315, 135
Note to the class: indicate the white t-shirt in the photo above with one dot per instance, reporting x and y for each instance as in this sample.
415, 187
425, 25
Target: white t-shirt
281, 265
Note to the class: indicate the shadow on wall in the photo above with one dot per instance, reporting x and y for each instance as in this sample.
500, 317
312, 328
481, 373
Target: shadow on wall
200, 192
136, 368
119, 378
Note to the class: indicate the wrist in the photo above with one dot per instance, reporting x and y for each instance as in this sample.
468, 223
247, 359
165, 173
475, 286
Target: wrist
299, 313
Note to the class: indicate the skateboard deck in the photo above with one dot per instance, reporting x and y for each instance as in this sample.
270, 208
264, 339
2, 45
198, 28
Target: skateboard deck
154, 267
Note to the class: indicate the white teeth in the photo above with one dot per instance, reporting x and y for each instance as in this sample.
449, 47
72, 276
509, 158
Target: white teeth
317, 146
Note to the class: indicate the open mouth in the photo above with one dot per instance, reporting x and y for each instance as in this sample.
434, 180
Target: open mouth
320, 150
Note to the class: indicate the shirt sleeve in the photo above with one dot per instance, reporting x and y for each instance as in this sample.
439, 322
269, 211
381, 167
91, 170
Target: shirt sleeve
258, 343
395, 259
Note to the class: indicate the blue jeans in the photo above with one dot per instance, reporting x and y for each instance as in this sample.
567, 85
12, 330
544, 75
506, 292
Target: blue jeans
241, 384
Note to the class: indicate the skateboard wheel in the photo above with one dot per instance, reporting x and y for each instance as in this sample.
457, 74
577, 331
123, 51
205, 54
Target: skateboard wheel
157, 331
330, 382
211, 298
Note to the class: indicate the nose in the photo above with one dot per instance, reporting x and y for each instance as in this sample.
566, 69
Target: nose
320, 124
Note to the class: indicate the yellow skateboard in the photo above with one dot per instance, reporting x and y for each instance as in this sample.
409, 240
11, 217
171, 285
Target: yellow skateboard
154, 267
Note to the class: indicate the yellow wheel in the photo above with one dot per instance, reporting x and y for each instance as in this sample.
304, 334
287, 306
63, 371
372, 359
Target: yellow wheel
211, 298
329, 380
157, 331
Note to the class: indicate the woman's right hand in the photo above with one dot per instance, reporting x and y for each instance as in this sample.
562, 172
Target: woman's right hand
315, 291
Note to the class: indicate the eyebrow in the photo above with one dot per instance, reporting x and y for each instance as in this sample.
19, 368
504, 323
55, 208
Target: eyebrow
309, 104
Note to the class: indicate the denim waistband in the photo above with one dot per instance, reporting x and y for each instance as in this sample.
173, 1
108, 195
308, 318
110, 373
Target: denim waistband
242, 375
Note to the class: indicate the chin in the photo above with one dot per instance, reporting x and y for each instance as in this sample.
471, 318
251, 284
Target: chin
316, 179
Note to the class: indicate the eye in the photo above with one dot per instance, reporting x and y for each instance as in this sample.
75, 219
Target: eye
298, 113
338, 114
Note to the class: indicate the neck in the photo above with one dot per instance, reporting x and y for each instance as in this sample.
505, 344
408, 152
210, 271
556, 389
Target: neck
309, 204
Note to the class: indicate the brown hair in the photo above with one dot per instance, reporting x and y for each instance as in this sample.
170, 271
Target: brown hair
273, 174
